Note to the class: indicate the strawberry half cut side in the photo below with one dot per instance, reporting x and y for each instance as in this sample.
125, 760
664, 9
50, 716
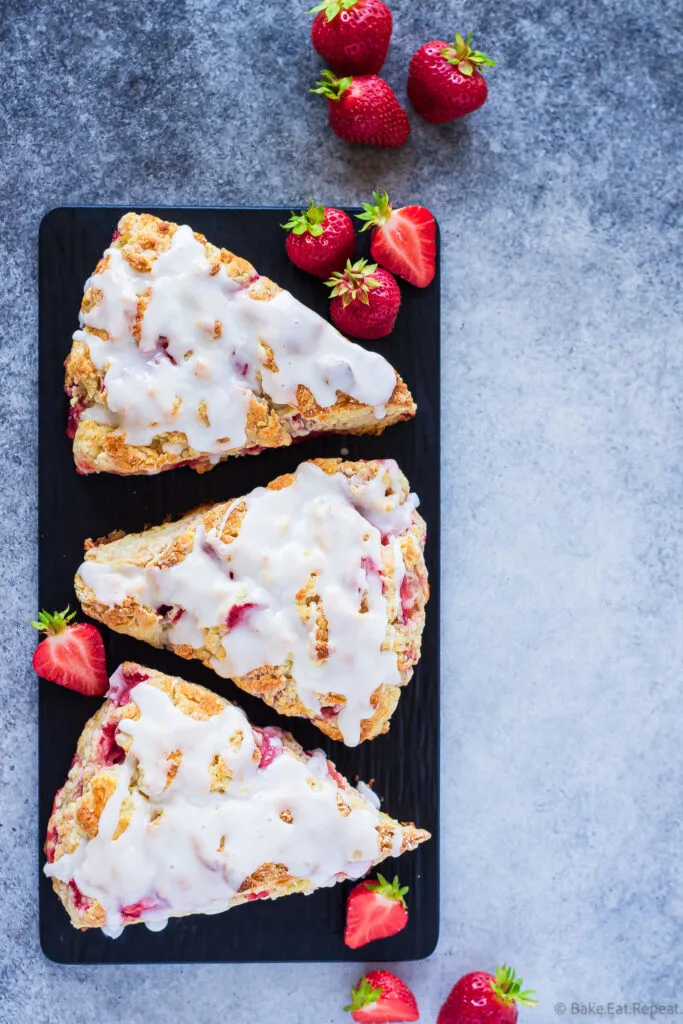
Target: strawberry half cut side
403, 240
375, 910
72, 654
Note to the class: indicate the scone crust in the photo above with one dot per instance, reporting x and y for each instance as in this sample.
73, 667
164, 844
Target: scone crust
168, 544
79, 803
98, 447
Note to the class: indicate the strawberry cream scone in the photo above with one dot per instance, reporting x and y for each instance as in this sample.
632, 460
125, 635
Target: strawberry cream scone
176, 805
309, 593
185, 355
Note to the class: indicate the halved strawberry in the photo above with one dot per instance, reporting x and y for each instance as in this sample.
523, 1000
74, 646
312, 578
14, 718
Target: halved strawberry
380, 997
375, 910
403, 240
72, 654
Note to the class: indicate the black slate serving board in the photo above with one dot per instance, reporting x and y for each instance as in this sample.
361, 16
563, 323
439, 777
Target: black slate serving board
404, 763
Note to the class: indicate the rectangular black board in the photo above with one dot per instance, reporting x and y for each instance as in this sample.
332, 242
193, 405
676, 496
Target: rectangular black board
404, 763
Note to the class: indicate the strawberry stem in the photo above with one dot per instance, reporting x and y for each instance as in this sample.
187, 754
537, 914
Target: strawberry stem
376, 212
354, 282
309, 220
333, 7
362, 995
464, 58
392, 890
508, 988
331, 86
53, 623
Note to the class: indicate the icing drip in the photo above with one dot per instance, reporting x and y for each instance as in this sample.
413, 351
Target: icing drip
309, 550
187, 848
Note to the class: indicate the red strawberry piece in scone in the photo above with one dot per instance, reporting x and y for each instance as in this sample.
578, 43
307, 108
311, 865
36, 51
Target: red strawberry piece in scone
123, 680
134, 911
239, 613
445, 80
270, 745
352, 36
321, 239
108, 751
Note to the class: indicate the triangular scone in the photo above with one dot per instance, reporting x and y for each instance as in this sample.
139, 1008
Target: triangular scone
186, 356
309, 593
176, 805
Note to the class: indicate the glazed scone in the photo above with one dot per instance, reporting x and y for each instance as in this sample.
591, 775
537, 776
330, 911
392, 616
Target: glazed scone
309, 594
176, 805
185, 355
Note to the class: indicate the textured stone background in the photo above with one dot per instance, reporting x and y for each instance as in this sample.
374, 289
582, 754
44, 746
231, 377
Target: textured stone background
563, 370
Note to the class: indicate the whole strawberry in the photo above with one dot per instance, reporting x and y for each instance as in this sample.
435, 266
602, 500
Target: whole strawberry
482, 998
321, 239
352, 36
380, 998
72, 654
444, 82
365, 300
364, 110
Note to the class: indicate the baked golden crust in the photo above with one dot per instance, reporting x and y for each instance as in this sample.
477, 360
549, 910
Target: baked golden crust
99, 447
167, 545
92, 779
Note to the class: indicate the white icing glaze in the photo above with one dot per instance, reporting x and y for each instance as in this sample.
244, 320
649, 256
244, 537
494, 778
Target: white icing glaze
159, 383
179, 862
321, 524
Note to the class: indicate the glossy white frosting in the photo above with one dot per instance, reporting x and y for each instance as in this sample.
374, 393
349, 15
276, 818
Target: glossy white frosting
179, 375
188, 849
323, 524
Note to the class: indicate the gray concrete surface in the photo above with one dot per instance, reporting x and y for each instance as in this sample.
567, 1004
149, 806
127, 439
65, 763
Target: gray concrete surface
563, 369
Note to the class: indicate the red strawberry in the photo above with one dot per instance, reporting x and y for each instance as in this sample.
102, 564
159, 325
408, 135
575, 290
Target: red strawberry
365, 300
444, 81
321, 239
72, 654
481, 998
364, 110
352, 36
375, 910
381, 997
403, 240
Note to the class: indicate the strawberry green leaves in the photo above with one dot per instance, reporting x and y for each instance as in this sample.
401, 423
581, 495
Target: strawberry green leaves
376, 212
354, 283
508, 988
309, 220
466, 59
364, 994
333, 7
53, 623
332, 87
392, 890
